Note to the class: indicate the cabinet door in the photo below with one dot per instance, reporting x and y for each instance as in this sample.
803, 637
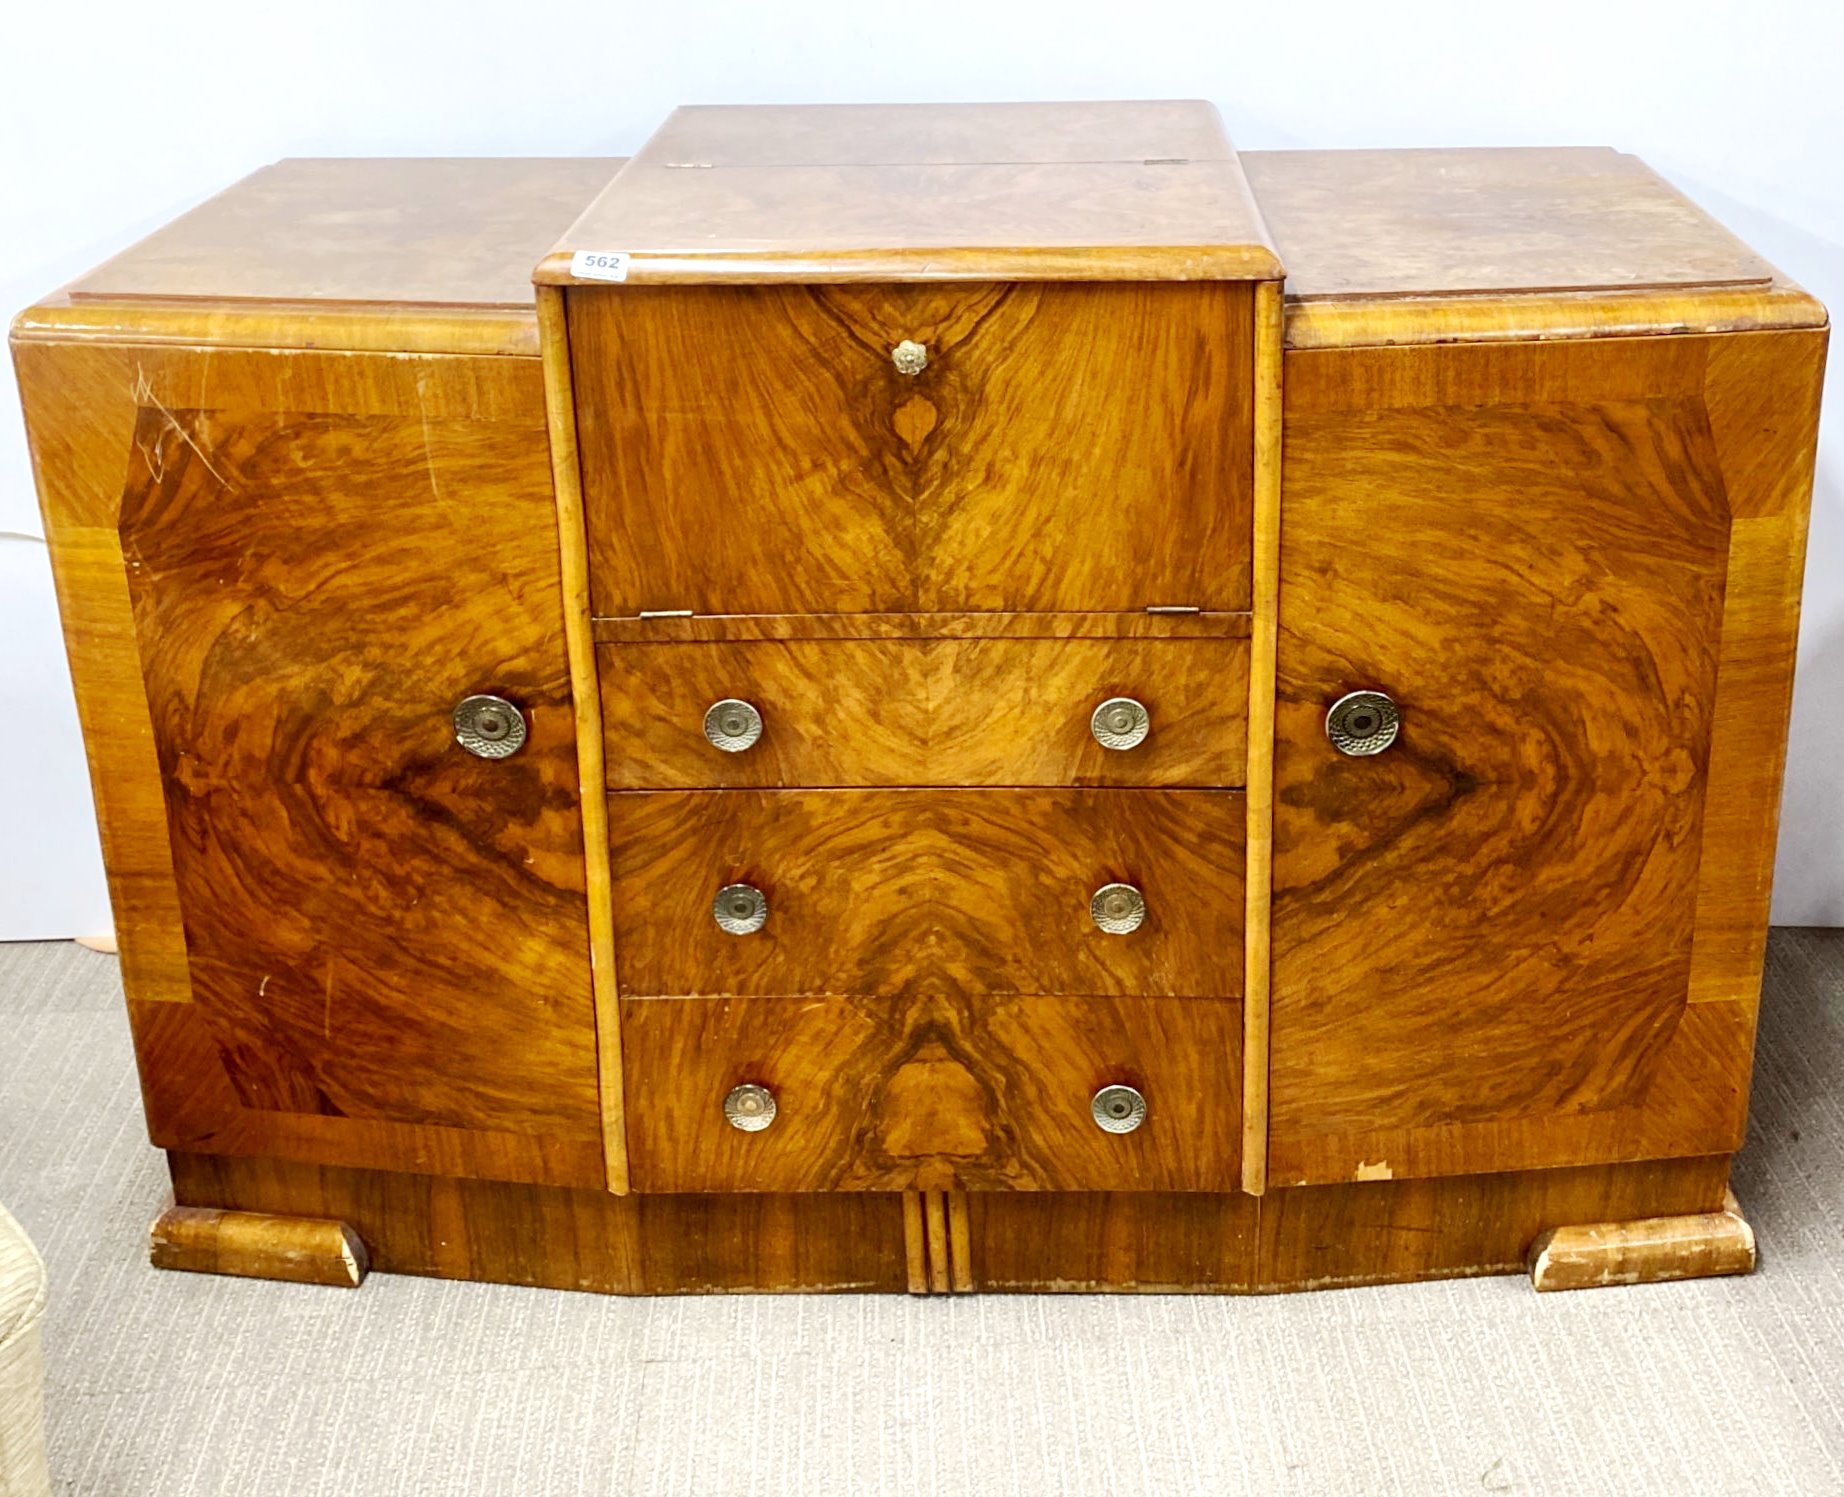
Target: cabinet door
346, 939
756, 450
1529, 933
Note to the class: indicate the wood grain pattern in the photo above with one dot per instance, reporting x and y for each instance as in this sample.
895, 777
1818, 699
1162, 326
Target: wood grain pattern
1313, 1237
1092, 191
284, 793
1658, 1250
1371, 224
908, 712
357, 891
490, 332
933, 1093
252, 1245
1483, 938
429, 233
1258, 875
1761, 396
1317, 1237
500, 1233
899, 891
1443, 246
1521, 316
754, 450
403, 256
579, 644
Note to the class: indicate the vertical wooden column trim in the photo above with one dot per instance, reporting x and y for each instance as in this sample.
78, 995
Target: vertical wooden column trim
938, 1241
1265, 587
935, 1207
960, 1243
915, 1242
579, 640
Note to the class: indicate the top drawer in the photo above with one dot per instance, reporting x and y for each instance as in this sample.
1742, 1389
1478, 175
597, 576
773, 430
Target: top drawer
1065, 446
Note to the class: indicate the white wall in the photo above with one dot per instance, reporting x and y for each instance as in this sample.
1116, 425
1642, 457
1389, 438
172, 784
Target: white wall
114, 117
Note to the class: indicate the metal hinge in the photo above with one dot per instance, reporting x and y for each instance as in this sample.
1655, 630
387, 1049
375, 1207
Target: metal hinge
665, 613
1173, 608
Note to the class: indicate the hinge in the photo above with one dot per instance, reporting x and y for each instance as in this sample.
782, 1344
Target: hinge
665, 613
1173, 608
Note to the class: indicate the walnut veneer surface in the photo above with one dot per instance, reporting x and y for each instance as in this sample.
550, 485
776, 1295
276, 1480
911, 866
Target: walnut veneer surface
1527, 446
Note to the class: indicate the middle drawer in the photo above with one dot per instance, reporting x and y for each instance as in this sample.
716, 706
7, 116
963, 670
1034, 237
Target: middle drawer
996, 711
892, 892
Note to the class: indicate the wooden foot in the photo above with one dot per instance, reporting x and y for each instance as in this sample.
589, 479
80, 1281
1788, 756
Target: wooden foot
301, 1249
1644, 1252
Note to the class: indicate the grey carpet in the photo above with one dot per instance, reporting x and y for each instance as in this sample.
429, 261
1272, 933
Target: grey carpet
165, 1383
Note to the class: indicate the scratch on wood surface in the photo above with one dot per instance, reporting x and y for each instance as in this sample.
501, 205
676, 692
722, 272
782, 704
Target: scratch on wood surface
142, 393
422, 413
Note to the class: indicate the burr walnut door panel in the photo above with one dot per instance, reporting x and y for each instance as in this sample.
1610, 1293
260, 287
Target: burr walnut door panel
1527, 933
755, 450
926, 712
888, 892
933, 1093
385, 936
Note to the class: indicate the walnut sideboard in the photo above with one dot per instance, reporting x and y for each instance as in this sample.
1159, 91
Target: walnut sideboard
983, 697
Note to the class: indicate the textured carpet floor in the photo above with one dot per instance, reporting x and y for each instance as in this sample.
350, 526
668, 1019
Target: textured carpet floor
166, 1383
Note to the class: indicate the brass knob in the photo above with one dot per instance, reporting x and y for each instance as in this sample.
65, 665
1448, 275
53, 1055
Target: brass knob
1117, 1109
909, 358
488, 727
740, 909
1362, 723
1120, 723
749, 1107
1117, 909
732, 725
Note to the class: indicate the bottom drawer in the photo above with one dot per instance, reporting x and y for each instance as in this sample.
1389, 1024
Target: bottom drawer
932, 1093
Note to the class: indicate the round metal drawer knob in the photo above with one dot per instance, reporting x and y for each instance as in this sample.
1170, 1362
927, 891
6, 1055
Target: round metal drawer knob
489, 727
732, 725
1120, 723
749, 1107
1118, 909
1362, 723
1117, 1109
909, 358
741, 909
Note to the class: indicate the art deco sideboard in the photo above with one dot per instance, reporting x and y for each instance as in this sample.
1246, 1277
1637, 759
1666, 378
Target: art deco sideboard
964, 698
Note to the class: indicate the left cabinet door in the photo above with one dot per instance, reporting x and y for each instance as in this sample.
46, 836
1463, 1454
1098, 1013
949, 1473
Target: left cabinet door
346, 939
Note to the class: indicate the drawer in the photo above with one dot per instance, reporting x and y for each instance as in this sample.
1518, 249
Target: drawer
924, 712
933, 1093
885, 892
756, 449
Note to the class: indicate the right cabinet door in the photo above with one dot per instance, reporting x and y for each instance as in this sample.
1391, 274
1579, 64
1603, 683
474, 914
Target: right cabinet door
1529, 932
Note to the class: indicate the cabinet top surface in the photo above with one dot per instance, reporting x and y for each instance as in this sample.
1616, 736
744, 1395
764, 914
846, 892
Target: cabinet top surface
1476, 221
434, 233
1133, 191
